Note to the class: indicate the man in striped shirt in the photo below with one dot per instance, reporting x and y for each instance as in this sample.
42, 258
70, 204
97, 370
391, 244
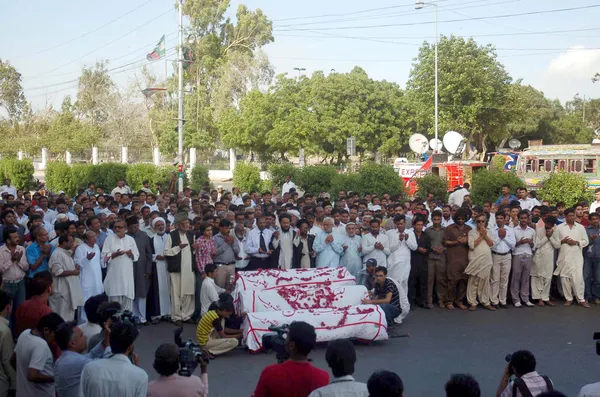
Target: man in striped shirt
211, 332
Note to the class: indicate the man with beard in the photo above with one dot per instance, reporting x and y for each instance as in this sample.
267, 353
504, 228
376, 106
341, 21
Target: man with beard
142, 267
457, 259
159, 301
120, 251
283, 244
328, 246
304, 254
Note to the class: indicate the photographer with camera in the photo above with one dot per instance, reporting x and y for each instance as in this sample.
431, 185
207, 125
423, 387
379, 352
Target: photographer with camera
212, 333
105, 311
296, 377
166, 363
527, 382
119, 374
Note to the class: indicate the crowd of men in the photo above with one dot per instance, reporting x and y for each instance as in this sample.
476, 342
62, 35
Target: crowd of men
174, 257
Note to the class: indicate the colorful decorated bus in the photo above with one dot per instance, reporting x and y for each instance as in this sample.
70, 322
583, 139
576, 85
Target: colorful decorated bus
537, 162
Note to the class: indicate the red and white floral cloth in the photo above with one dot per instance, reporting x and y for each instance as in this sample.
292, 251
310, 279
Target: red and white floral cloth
365, 322
266, 279
296, 297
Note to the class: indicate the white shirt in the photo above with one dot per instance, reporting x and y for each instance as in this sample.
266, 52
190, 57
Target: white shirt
209, 293
457, 197
90, 274
340, 229
287, 186
89, 329
446, 223
593, 206
22, 220
503, 245
369, 251
591, 390
123, 190
112, 377
527, 204
33, 352
9, 189
253, 242
119, 277
528, 233
315, 230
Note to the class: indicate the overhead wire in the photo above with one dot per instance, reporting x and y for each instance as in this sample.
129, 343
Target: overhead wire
539, 12
84, 34
112, 41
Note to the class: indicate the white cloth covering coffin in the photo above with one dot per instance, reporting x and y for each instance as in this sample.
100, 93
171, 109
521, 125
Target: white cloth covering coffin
365, 322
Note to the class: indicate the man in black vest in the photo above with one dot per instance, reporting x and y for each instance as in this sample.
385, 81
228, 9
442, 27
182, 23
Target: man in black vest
182, 269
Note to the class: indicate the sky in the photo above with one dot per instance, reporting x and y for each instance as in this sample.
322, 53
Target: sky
556, 52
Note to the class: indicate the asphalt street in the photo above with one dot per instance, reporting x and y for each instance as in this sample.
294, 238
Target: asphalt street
441, 343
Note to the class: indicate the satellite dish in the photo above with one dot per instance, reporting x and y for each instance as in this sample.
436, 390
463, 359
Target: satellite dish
440, 145
418, 143
453, 142
514, 143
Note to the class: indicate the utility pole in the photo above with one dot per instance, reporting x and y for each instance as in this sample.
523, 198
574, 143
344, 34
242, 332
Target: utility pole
180, 94
300, 70
583, 106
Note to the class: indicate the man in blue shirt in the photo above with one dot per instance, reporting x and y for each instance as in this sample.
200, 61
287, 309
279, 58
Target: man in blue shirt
591, 265
39, 253
506, 197
69, 366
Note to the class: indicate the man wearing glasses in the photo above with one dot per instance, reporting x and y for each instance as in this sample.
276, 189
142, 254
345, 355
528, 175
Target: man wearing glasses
119, 252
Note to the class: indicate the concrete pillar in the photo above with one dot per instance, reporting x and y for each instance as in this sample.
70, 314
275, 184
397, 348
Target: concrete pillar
68, 157
302, 159
124, 155
44, 158
192, 157
232, 159
156, 156
20, 155
94, 155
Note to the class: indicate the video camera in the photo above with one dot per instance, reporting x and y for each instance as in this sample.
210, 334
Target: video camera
123, 316
190, 354
274, 341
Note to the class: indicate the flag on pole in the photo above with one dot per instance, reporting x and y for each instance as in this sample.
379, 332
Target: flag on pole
159, 51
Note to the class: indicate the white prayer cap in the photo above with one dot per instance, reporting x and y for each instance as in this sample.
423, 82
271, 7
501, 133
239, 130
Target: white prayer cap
294, 213
156, 220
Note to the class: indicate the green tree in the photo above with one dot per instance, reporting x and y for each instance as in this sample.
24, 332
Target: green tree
566, 187
67, 132
432, 184
380, 179
246, 177
93, 93
12, 98
487, 184
473, 90
315, 179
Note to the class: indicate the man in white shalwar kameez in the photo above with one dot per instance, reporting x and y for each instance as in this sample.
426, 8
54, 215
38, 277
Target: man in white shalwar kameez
401, 244
480, 264
375, 244
89, 259
543, 261
283, 243
328, 246
67, 294
162, 275
352, 258
183, 280
572, 238
120, 251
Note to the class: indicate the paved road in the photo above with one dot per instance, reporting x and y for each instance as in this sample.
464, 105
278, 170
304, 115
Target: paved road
441, 343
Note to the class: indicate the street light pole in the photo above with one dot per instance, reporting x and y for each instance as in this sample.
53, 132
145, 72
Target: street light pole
300, 70
180, 94
420, 5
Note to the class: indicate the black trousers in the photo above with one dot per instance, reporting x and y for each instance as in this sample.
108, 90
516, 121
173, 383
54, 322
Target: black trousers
417, 283
258, 263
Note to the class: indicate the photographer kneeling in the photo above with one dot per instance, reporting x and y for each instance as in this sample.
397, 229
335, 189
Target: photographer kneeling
166, 363
527, 381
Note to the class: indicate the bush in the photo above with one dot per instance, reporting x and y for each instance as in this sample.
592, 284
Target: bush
315, 178
20, 172
566, 187
432, 184
108, 174
199, 177
81, 175
487, 185
348, 182
246, 177
60, 177
138, 173
380, 179
498, 162
278, 173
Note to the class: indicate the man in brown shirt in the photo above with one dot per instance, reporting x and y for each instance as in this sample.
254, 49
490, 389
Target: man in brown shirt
457, 259
436, 261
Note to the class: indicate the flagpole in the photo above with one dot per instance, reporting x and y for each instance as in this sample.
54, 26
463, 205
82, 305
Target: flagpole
180, 110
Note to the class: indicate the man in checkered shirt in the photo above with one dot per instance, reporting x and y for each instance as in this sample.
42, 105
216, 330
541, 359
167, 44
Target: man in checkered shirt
522, 366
